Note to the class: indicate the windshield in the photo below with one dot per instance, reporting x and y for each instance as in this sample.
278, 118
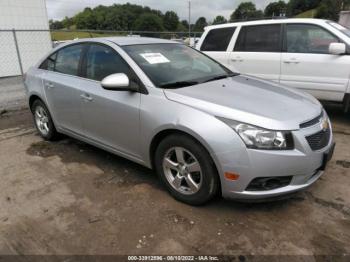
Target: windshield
176, 65
340, 28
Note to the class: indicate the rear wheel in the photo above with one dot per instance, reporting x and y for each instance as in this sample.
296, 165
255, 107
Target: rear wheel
186, 169
43, 121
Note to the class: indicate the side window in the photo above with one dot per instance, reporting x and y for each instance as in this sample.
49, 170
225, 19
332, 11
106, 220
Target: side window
218, 39
103, 61
49, 63
67, 61
303, 38
260, 38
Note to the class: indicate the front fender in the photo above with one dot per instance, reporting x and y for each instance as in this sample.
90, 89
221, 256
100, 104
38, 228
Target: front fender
222, 143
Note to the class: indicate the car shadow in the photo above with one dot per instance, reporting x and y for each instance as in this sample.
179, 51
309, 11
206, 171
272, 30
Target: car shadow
336, 113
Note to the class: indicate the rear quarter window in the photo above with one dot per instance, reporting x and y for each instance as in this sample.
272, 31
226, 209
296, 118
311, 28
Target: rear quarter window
218, 39
67, 60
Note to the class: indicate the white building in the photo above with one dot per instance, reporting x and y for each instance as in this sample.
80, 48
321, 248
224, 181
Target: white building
22, 15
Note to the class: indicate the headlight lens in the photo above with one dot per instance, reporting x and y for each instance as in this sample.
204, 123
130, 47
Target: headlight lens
260, 138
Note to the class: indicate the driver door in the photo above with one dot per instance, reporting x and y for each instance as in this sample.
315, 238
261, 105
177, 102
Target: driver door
110, 118
307, 64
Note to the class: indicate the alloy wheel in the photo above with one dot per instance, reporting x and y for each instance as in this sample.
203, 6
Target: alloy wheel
42, 120
182, 170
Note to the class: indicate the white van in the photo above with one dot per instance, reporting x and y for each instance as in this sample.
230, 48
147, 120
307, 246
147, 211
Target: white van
310, 54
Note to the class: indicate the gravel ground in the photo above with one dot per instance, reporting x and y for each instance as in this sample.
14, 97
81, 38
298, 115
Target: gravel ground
12, 93
68, 198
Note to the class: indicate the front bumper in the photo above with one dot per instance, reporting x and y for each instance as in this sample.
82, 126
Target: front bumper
271, 194
304, 165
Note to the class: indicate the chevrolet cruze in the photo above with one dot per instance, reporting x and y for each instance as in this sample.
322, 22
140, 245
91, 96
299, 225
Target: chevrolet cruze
203, 128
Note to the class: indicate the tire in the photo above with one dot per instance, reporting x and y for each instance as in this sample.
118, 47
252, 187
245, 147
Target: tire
190, 176
43, 121
346, 103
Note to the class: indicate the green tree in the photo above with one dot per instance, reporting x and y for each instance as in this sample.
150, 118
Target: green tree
86, 19
115, 19
181, 28
275, 9
219, 20
200, 24
148, 22
171, 21
125, 17
329, 9
185, 23
295, 7
346, 5
244, 11
55, 24
67, 22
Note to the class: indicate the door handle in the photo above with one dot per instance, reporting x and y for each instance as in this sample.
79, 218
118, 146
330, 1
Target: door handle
49, 85
237, 59
291, 61
86, 97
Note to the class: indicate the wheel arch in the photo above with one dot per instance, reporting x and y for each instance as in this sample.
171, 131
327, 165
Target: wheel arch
33, 98
167, 132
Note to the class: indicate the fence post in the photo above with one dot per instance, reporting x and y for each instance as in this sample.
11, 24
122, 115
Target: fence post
18, 52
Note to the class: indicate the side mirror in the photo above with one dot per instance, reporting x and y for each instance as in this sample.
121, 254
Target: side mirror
337, 48
118, 82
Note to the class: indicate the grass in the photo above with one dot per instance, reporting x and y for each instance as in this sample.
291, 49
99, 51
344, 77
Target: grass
307, 14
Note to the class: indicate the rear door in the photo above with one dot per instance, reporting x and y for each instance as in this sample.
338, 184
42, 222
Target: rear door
257, 51
216, 44
308, 65
111, 118
62, 87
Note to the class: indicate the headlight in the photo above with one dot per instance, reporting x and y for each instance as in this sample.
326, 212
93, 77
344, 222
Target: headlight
260, 138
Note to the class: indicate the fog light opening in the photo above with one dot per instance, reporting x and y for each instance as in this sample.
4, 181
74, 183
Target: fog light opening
271, 184
268, 183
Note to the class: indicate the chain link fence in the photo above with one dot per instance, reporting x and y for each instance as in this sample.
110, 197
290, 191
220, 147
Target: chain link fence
21, 49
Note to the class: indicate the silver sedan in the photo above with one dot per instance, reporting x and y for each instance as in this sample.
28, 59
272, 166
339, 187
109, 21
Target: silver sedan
201, 127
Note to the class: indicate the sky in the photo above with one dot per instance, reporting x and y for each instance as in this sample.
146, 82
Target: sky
58, 9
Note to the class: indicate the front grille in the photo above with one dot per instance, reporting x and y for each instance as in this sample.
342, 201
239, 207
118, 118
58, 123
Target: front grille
312, 122
319, 140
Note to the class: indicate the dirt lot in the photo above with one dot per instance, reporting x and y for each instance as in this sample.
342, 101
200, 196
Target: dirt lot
71, 198
12, 94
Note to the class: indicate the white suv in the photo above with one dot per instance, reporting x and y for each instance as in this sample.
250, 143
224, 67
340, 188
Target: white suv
310, 54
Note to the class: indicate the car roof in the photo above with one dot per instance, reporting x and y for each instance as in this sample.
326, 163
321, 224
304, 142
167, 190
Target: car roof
120, 41
270, 21
135, 40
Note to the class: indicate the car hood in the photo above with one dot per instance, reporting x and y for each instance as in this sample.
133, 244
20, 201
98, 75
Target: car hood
250, 100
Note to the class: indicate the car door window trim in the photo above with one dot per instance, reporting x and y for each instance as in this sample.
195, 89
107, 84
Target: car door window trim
242, 31
285, 47
83, 44
142, 87
81, 73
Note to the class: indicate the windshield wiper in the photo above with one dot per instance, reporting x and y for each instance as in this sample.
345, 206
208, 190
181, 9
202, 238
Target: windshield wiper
220, 77
179, 84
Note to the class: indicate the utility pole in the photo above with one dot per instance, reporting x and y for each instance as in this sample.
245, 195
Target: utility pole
189, 20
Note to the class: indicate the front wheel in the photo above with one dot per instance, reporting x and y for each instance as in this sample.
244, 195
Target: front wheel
186, 169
